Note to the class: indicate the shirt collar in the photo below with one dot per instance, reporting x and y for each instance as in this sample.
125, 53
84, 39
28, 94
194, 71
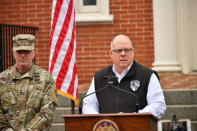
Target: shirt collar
120, 76
17, 75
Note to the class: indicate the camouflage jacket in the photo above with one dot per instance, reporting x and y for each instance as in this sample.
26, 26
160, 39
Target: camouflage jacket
28, 101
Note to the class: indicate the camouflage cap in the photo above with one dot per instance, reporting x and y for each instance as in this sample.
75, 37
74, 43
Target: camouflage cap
23, 42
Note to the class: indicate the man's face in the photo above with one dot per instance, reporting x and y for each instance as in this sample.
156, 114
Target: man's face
122, 53
23, 58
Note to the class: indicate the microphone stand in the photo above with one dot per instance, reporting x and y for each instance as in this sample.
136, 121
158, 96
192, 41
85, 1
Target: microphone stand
137, 102
81, 102
117, 101
111, 82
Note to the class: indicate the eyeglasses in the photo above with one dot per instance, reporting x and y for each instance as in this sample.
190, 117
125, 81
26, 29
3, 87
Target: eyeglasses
125, 50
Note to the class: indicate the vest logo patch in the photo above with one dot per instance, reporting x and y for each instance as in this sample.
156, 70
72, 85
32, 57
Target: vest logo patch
134, 85
105, 125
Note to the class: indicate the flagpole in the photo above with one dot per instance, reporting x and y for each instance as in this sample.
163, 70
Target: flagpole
73, 106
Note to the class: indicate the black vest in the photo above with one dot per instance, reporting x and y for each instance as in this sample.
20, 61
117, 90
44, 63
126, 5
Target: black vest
112, 100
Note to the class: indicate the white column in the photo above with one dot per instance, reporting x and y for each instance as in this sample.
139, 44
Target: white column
184, 34
165, 36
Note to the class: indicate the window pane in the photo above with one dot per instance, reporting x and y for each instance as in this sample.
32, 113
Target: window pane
89, 2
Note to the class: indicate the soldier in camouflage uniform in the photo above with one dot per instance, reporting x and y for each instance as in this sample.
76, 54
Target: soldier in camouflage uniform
28, 95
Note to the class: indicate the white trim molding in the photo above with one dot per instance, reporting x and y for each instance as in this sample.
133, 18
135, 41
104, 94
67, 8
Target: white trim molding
98, 14
166, 66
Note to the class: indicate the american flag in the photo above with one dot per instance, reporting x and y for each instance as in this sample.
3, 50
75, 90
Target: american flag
62, 60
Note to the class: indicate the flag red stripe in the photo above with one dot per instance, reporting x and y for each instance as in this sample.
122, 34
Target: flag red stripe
62, 35
77, 93
72, 84
66, 62
55, 17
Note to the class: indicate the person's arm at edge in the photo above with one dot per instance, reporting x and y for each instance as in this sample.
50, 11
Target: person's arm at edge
90, 103
155, 98
47, 112
4, 124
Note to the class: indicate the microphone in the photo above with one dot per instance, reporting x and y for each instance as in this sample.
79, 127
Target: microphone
81, 102
114, 80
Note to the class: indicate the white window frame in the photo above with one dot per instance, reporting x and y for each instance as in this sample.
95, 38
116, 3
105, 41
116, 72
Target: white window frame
88, 9
93, 14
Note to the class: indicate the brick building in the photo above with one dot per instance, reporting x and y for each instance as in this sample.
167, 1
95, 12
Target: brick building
163, 35
157, 44
165, 42
133, 18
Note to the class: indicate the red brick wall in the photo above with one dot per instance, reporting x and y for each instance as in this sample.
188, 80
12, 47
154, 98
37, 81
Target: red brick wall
131, 17
36, 13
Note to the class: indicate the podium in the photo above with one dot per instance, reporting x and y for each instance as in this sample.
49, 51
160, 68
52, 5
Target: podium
111, 122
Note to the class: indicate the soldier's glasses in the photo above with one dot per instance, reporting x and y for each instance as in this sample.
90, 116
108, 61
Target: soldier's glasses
127, 50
